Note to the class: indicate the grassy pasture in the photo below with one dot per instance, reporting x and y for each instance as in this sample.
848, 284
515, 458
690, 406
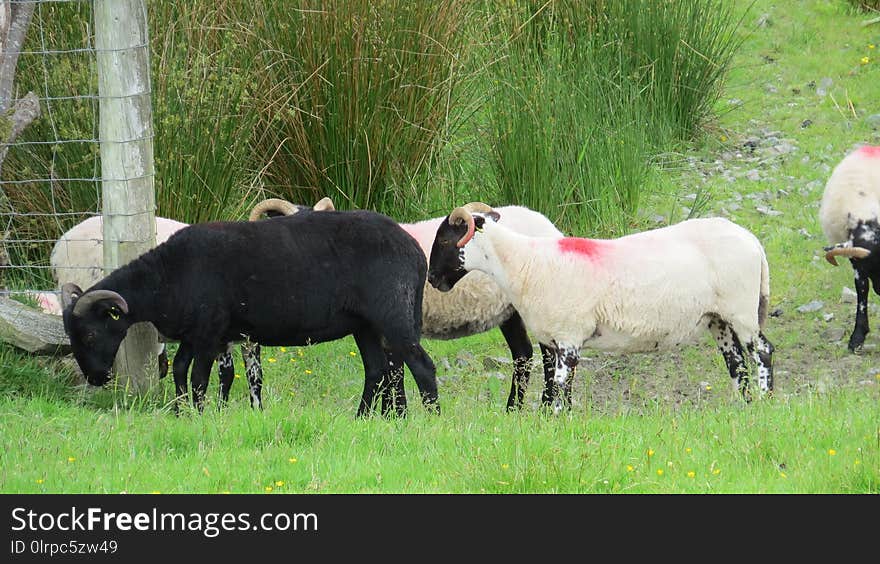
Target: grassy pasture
802, 91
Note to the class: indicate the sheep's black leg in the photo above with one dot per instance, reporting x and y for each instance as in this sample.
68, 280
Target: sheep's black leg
731, 350
514, 331
567, 357
253, 368
226, 372
182, 360
857, 339
424, 372
548, 359
201, 372
762, 352
393, 393
373, 357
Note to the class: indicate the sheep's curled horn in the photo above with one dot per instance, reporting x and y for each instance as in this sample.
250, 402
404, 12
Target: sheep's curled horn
463, 215
71, 292
845, 250
286, 208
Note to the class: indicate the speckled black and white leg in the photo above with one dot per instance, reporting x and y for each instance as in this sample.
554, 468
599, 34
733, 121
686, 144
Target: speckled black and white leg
861, 329
567, 357
762, 352
180, 368
548, 360
226, 373
250, 353
391, 385
731, 349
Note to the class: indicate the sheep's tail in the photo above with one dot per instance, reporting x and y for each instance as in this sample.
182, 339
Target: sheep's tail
764, 298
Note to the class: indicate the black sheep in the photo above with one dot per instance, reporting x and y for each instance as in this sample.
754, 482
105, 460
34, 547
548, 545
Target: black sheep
302, 279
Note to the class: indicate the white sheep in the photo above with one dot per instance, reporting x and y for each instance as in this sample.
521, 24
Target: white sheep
477, 304
850, 217
78, 255
647, 291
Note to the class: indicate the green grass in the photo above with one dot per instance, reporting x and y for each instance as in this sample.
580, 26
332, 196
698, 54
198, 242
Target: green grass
307, 440
818, 434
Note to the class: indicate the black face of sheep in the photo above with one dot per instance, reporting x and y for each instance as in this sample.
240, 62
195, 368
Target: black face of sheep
446, 267
96, 325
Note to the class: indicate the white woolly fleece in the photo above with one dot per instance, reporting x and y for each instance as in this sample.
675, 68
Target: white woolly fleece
852, 193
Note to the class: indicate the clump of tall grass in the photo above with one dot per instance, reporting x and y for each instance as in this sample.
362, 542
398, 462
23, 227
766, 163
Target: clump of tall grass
353, 95
584, 93
867, 5
203, 119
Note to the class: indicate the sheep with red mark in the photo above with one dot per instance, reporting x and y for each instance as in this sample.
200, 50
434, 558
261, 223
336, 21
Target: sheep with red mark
643, 292
850, 217
476, 304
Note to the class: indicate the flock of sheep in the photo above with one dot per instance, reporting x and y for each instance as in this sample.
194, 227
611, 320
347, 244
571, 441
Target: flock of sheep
315, 274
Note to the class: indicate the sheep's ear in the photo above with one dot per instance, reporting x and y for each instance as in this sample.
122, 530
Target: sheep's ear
493, 215
69, 294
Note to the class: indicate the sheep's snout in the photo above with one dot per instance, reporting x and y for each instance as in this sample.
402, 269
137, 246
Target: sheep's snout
439, 282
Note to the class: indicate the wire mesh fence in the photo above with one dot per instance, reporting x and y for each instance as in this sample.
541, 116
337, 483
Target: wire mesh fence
51, 178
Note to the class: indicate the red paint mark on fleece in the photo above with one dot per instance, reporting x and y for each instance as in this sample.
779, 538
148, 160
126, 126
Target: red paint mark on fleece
870, 151
586, 247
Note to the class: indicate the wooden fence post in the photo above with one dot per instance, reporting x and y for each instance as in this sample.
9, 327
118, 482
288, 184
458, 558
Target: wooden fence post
126, 133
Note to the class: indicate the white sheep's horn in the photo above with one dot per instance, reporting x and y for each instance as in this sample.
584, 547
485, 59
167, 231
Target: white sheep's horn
845, 250
272, 204
324, 204
84, 303
458, 216
480, 207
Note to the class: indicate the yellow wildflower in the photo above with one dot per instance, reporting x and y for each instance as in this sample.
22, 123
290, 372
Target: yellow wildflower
272, 359
659, 471
831, 452
292, 460
691, 474
505, 466
650, 452
279, 483
352, 353
308, 371
865, 60
716, 471
268, 489
40, 481
629, 468
70, 459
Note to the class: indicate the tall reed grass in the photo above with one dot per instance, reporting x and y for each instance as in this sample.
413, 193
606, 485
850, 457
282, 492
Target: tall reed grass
356, 94
584, 93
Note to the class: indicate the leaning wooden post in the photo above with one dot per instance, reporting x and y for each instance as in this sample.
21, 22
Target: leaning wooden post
126, 133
